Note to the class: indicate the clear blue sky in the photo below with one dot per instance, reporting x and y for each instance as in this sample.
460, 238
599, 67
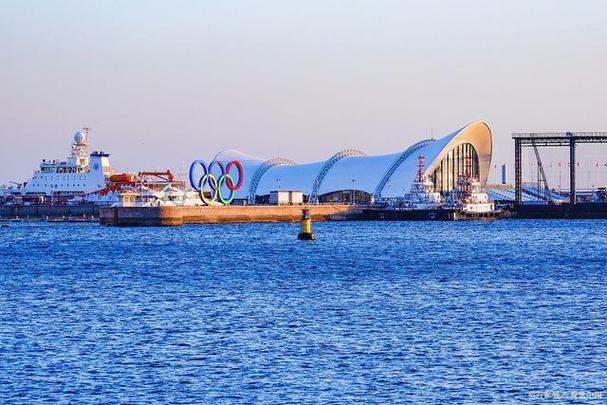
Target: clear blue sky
164, 82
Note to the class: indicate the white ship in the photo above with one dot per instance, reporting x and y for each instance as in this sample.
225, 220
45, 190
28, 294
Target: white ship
422, 195
143, 189
469, 196
80, 173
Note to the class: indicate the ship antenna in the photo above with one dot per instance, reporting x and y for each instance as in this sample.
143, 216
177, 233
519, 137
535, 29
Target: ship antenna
420, 168
468, 166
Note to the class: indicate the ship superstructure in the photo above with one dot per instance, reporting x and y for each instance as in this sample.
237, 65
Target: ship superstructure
143, 189
78, 174
422, 195
469, 196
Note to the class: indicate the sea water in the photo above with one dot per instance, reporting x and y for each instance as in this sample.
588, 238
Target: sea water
369, 312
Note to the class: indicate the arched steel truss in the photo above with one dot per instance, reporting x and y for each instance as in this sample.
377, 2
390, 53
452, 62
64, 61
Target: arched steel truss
401, 158
327, 166
261, 170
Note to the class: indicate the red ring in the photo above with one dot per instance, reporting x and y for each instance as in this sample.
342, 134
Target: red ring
229, 182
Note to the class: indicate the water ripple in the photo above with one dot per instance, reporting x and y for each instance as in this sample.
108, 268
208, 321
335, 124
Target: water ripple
370, 312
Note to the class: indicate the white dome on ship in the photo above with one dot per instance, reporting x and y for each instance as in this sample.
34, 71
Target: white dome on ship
80, 137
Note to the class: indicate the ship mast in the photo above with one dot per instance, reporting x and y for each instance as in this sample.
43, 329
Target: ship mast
420, 168
468, 166
465, 179
80, 146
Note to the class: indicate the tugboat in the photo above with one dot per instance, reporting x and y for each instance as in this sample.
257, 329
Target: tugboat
422, 195
466, 201
468, 196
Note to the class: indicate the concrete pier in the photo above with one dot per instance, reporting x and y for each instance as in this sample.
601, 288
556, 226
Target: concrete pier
49, 211
377, 214
175, 216
564, 211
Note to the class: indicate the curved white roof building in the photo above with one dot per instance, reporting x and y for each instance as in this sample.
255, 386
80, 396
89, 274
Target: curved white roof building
380, 176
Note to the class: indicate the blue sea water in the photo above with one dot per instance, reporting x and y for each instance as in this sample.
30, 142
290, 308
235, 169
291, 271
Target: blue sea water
428, 312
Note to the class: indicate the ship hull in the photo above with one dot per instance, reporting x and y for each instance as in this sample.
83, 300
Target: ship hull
453, 214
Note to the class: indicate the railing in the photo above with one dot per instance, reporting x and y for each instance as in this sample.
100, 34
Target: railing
558, 135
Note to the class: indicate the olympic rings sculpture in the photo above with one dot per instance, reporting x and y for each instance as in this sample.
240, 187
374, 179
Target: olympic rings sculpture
214, 182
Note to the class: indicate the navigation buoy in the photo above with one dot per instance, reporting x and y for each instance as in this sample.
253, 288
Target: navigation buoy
306, 227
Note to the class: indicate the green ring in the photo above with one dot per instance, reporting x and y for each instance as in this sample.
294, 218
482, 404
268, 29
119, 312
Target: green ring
222, 179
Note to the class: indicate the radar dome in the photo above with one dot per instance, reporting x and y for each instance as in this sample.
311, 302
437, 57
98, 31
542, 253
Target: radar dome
80, 137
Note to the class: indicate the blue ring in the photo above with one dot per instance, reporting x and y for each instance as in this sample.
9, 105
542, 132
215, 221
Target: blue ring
210, 168
194, 183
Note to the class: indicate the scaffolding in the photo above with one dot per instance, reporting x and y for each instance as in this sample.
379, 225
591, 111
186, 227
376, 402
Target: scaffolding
550, 139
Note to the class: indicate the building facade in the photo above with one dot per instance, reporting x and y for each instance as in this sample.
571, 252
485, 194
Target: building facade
353, 176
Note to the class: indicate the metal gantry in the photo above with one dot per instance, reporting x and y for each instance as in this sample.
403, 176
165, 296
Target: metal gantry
261, 170
327, 166
547, 139
401, 158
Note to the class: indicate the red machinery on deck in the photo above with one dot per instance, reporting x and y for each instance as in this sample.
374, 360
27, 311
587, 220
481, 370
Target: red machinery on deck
154, 180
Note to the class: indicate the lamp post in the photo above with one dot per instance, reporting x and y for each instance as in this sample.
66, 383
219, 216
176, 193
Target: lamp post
353, 192
560, 180
277, 191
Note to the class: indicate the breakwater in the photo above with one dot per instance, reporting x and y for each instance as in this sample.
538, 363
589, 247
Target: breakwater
175, 216
563, 211
50, 211
446, 214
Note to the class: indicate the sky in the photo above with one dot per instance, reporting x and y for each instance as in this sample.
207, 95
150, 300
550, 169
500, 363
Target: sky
165, 82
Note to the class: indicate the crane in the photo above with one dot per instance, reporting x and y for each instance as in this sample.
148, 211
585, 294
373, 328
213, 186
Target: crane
547, 195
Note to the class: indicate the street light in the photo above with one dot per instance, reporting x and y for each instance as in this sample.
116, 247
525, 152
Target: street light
353, 192
277, 191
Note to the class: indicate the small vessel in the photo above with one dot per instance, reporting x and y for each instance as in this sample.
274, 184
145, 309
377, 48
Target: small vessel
143, 189
468, 196
422, 195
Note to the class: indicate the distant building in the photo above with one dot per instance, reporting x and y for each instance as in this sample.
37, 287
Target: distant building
286, 197
353, 175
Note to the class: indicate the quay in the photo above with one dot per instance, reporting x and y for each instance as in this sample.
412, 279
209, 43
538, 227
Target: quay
49, 212
377, 214
175, 216
579, 210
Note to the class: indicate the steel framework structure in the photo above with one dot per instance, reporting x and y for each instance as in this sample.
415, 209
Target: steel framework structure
399, 160
327, 166
546, 139
261, 170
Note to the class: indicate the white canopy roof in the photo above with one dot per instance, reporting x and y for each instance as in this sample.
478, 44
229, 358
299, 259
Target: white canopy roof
387, 174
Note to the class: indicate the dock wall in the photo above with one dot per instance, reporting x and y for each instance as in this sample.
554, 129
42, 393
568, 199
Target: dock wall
51, 211
174, 216
564, 211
